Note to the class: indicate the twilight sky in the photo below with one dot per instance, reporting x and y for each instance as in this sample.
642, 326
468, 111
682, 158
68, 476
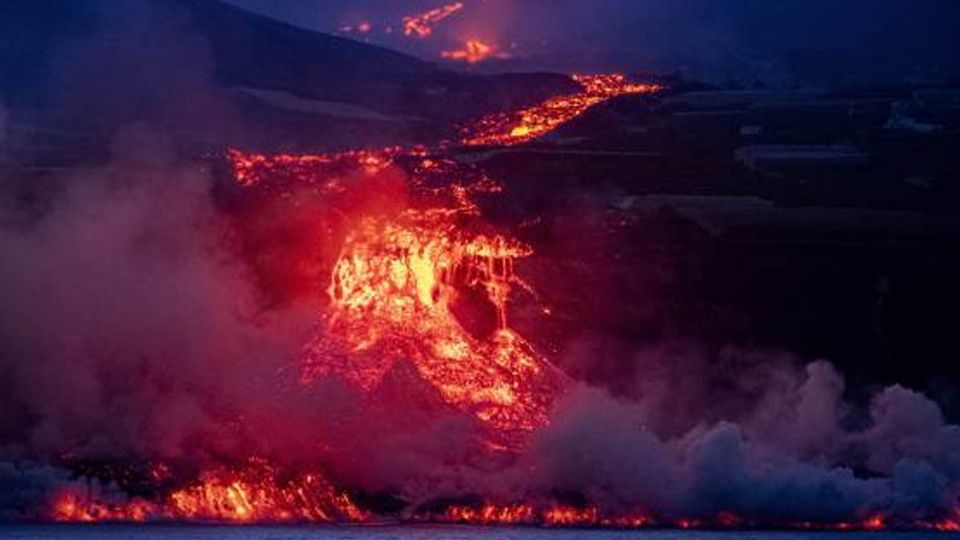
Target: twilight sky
768, 39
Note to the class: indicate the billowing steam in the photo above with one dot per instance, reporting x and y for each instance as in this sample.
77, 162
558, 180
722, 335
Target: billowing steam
790, 459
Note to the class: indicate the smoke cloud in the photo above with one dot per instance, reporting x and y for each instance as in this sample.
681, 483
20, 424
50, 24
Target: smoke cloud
790, 460
117, 304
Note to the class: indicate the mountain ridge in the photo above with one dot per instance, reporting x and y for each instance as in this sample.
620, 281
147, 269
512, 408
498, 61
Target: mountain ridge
103, 65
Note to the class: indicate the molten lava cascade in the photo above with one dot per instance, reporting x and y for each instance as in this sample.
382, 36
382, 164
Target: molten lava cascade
393, 289
513, 128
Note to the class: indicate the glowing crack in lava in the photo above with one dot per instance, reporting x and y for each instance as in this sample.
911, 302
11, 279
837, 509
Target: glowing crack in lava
513, 128
473, 52
421, 25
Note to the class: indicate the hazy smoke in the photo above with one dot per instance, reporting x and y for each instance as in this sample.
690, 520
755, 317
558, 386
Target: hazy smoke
133, 330
3, 125
118, 303
26, 487
792, 458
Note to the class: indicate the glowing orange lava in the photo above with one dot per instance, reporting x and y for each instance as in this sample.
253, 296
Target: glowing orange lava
473, 51
550, 516
422, 24
399, 276
252, 169
491, 515
78, 505
392, 295
508, 129
253, 493
566, 516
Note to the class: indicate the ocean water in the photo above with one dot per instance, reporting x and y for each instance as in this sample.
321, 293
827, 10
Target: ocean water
117, 532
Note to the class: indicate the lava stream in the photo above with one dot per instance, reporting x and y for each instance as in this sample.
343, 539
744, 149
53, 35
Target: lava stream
507, 129
251, 493
473, 51
421, 25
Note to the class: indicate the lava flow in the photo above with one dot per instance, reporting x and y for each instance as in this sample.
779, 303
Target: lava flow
513, 128
420, 285
391, 293
394, 288
253, 493
421, 25
473, 52
396, 293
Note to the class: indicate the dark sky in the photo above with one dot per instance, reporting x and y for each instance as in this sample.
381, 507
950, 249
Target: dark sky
771, 39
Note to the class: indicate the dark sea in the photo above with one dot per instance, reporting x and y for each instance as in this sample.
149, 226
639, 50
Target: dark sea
115, 532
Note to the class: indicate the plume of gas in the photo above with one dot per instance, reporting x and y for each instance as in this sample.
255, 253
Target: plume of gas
768, 456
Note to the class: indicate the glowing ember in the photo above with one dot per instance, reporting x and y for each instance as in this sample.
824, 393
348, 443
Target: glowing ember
473, 51
421, 25
515, 128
